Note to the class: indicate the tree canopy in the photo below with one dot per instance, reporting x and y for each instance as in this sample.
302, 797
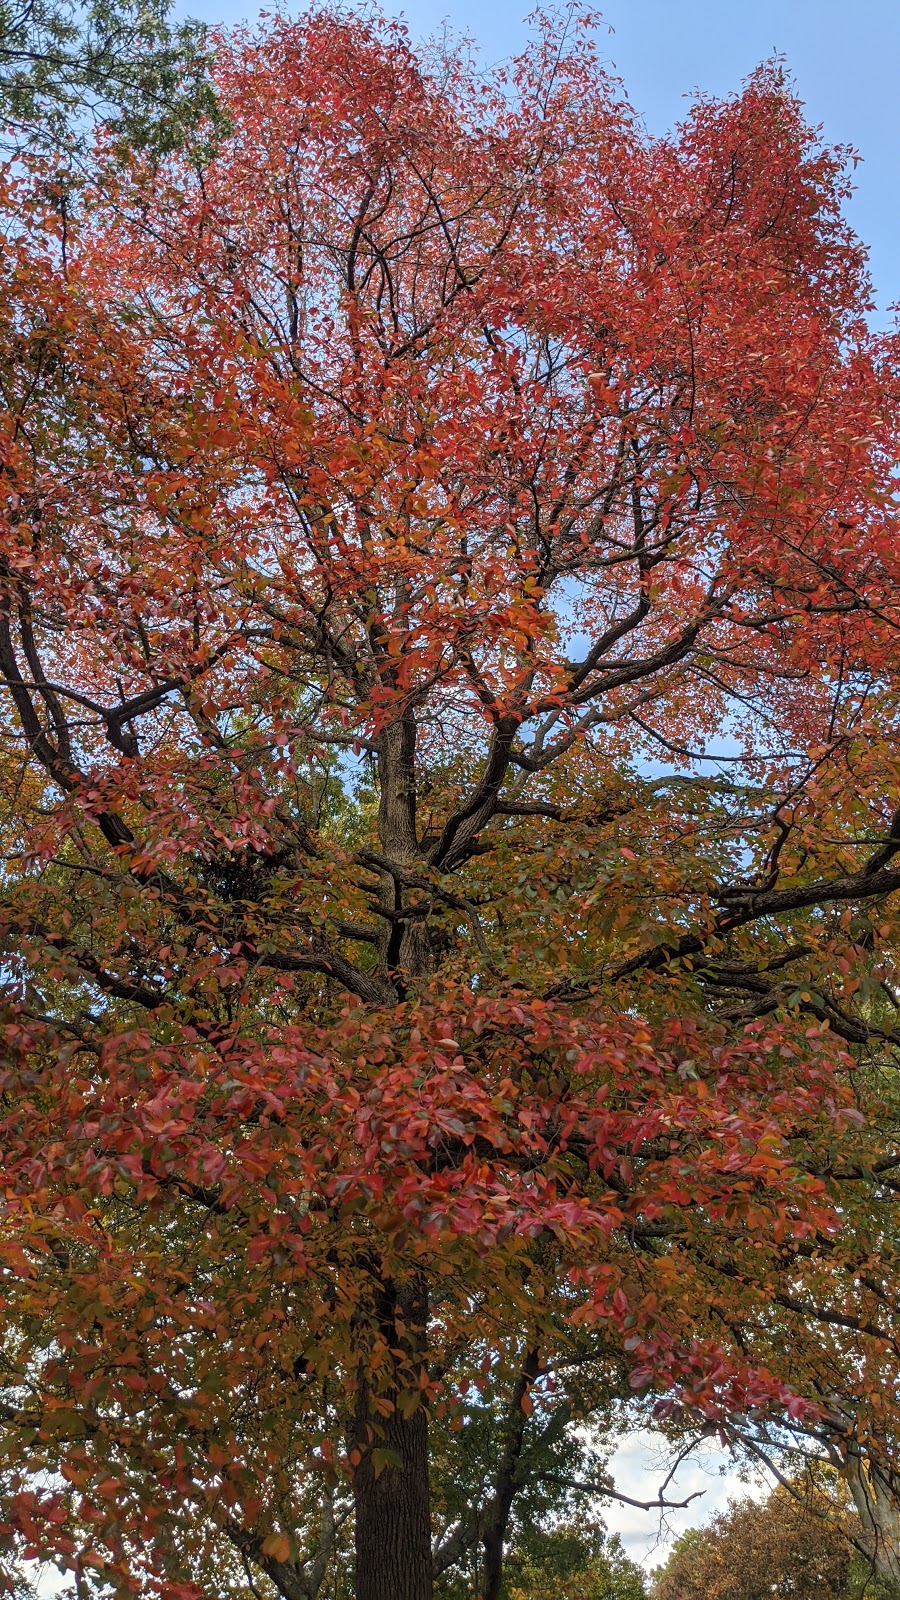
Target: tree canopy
67, 68
790, 1546
448, 604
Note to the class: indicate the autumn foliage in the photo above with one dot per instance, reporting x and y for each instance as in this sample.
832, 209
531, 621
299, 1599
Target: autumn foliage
448, 603
751, 1551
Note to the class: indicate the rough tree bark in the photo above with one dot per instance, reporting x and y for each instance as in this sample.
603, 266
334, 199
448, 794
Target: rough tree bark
391, 1490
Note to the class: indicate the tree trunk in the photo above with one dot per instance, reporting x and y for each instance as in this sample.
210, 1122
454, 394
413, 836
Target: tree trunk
878, 1505
506, 1483
392, 1500
393, 1514
391, 1491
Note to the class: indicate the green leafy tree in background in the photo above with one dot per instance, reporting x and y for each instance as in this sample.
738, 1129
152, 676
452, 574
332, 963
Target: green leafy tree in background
65, 66
575, 1560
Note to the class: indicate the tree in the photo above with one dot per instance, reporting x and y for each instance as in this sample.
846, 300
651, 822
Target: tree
572, 1562
852, 1432
64, 67
856, 1439
382, 495
753, 1551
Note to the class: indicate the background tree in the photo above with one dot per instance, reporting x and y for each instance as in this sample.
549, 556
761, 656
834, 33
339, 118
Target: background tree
65, 66
855, 1439
381, 493
778, 1547
852, 1432
575, 1561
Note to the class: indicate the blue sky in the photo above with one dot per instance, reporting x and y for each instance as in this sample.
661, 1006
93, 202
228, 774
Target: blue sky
845, 58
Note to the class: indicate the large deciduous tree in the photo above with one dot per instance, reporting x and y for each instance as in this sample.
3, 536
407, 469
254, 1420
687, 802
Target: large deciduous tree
448, 601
